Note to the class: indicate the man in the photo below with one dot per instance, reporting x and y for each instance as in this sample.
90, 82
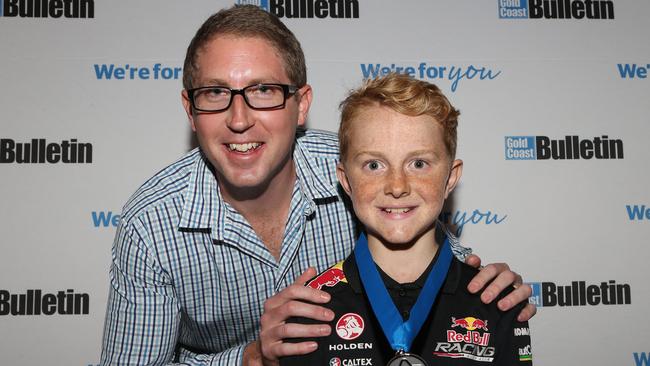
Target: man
203, 243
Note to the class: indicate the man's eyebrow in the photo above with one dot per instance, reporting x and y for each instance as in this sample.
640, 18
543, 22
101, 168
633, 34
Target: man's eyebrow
214, 82
221, 82
270, 80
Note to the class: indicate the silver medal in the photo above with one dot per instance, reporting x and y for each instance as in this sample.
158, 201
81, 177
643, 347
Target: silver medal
406, 359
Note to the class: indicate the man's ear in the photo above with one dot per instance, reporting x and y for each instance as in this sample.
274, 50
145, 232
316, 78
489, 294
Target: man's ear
304, 102
187, 105
455, 173
343, 178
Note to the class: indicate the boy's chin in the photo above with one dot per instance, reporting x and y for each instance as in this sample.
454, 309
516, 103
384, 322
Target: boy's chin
397, 241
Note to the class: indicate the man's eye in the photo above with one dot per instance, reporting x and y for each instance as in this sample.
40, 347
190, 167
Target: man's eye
263, 89
216, 92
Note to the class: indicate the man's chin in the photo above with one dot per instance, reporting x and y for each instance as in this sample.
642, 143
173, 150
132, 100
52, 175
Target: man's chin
244, 181
243, 187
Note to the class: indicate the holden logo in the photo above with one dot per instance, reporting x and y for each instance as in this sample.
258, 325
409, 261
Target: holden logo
349, 326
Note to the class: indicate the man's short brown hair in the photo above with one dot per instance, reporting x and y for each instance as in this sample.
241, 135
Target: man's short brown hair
404, 95
247, 21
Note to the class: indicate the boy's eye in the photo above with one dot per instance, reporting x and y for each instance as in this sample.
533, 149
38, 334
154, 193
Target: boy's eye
373, 165
419, 164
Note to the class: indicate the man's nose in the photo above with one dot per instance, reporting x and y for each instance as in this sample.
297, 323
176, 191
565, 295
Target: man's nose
240, 118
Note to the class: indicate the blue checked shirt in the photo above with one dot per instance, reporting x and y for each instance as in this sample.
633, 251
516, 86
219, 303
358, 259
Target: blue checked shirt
189, 276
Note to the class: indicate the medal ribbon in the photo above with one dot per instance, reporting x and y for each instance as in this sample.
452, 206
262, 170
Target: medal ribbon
400, 334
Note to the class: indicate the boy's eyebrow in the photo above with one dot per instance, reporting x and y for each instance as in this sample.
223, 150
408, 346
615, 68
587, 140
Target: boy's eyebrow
382, 154
370, 153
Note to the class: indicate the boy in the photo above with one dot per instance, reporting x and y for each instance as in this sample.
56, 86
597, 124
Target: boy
400, 298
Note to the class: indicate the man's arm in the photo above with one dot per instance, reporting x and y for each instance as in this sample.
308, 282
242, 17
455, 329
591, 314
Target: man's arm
143, 313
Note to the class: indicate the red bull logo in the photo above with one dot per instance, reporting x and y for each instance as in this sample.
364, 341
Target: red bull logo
469, 323
469, 337
349, 326
329, 278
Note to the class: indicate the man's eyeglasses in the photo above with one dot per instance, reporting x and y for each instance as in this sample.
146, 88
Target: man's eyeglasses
258, 96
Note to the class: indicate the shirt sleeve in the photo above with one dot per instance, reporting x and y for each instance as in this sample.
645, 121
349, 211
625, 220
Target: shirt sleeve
143, 313
229, 357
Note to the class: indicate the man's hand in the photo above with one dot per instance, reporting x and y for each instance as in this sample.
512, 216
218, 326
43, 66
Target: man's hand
499, 276
252, 355
290, 302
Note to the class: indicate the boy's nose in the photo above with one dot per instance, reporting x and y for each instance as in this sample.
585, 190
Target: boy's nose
397, 184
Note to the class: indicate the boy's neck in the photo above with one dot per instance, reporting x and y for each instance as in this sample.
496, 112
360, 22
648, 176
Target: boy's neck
404, 263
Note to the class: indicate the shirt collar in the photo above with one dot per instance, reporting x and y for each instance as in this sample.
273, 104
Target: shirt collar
313, 181
202, 198
450, 285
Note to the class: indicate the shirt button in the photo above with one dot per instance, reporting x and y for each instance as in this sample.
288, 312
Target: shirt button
402, 292
405, 314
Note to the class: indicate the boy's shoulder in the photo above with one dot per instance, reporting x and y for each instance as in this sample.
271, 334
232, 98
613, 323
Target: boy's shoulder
332, 278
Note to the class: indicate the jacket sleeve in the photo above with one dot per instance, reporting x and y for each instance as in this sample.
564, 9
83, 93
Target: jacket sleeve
513, 346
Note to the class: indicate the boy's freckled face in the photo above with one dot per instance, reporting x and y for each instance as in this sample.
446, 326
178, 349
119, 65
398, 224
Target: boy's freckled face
396, 173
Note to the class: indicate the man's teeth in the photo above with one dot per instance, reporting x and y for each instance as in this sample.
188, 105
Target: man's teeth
397, 210
244, 147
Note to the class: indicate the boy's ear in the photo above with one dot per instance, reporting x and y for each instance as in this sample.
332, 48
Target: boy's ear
454, 176
343, 178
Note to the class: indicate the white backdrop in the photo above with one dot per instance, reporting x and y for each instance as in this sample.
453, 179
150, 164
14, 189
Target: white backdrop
555, 221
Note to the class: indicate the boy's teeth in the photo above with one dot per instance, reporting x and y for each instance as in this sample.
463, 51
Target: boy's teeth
244, 147
397, 210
